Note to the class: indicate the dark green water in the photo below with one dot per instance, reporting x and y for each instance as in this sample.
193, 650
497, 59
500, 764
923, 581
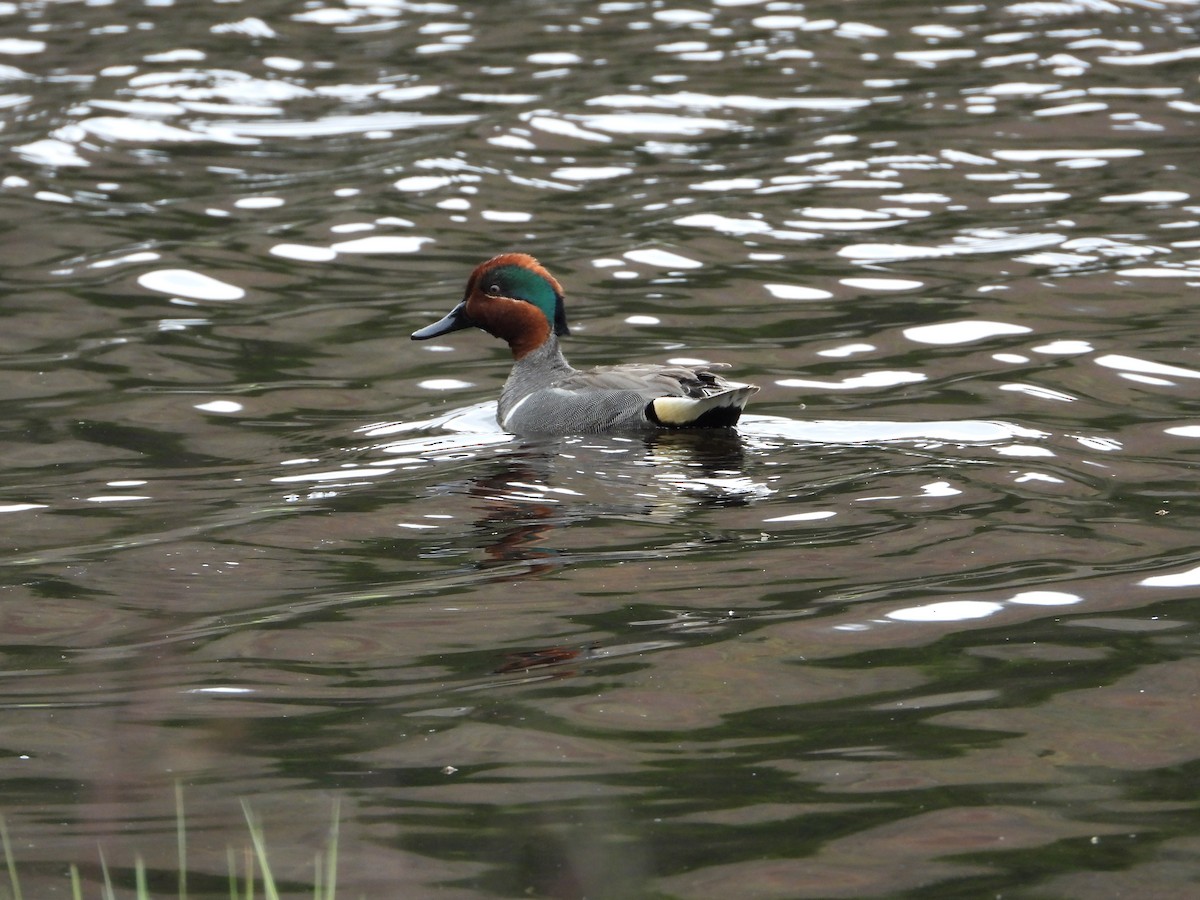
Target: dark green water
926, 625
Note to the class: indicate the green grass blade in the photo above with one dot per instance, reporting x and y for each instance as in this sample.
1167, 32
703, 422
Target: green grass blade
139, 874
181, 841
76, 885
260, 852
9, 860
108, 888
331, 857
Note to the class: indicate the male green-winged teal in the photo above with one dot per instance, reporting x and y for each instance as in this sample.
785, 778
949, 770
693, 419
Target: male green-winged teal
512, 297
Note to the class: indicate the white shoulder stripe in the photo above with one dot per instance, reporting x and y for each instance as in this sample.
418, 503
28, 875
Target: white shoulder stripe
512, 412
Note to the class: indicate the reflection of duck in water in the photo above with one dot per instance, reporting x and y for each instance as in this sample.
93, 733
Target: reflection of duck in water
549, 485
512, 297
517, 519
521, 661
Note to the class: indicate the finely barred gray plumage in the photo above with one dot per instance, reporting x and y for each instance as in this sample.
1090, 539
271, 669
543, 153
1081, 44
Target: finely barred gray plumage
544, 393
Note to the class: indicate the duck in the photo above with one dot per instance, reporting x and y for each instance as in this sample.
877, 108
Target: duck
514, 298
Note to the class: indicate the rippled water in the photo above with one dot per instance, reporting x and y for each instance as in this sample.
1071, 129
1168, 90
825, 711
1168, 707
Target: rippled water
926, 623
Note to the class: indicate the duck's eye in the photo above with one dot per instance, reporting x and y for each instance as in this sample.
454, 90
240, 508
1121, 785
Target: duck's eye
494, 290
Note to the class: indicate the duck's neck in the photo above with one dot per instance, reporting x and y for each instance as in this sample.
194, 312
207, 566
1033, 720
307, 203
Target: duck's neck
547, 357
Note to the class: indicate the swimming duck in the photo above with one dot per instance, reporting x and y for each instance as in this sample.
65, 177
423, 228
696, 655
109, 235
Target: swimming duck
513, 297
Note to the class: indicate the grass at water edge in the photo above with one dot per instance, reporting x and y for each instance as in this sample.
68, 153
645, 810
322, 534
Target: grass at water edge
242, 887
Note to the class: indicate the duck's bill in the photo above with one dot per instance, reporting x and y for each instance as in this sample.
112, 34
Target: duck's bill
455, 320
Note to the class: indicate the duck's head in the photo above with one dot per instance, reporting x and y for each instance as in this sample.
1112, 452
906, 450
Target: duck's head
511, 297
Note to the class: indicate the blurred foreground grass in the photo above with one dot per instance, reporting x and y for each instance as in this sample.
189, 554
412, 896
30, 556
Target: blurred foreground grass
242, 885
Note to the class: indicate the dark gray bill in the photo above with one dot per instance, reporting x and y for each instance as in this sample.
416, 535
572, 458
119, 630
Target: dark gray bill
455, 320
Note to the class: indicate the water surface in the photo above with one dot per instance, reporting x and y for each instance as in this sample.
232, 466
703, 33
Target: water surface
924, 624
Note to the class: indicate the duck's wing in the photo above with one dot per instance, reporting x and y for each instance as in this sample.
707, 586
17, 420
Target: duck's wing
652, 381
672, 396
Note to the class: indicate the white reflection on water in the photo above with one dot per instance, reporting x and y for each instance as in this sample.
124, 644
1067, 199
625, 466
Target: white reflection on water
981, 242
1133, 364
1152, 59
939, 489
1029, 197
1101, 153
1064, 348
663, 259
965, 431
142, 131
143, 256
707, 102
655, 123
1147, 197
946, 611
1024, 450
495, 215
814, 516
930, 58
796, 292
590, 173
964, 610
882, 284
964, 332
846, 350
1041, 393
1161, 272
420, 183
259, 202
382, 244
304, 252
186, 283
220, 406
443, 384
50, 152
875, 379
1190, 578
331, 125
725, 224
351, 474
1045, 598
